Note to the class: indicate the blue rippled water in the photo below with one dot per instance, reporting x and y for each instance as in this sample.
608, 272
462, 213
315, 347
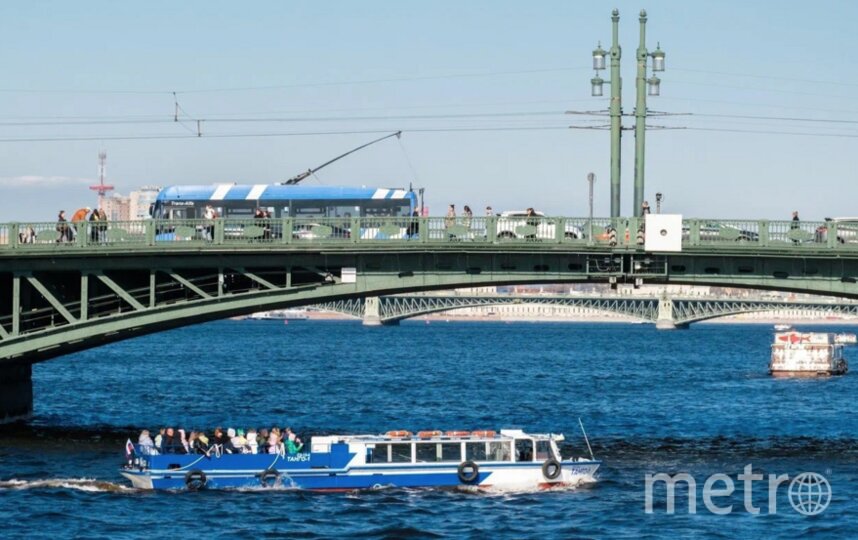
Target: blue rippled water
696, 401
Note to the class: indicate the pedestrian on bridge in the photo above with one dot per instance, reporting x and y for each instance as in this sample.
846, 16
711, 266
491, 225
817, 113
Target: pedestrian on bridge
467, 216
795, 225
63, 228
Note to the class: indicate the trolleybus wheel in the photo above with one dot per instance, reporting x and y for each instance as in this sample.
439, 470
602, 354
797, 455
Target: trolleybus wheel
551, 469
269, 477
468, 472
195, 480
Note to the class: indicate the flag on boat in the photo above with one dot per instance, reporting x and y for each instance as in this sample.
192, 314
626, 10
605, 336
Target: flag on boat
129, 448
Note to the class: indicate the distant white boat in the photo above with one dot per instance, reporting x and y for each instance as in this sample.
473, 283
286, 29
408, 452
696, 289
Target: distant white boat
279, 315
808, 354
783, 327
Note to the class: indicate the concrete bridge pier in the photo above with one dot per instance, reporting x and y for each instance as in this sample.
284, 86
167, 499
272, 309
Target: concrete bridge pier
665, 320
16, 393
372, 313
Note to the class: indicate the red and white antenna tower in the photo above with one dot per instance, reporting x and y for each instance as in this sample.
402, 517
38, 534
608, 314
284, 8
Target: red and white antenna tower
101, 187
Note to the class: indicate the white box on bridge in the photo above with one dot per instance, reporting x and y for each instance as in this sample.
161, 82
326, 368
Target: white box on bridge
663, 232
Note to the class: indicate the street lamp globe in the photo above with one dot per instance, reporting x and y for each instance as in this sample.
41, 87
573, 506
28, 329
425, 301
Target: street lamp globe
654, 86
596, 84
599, 58
658, 59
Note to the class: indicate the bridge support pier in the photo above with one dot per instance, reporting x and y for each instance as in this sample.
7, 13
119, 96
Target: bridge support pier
665, 320
669, 325
372, 313
16, 393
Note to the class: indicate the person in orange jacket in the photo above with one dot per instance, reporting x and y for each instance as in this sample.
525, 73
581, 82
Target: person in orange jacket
80, 215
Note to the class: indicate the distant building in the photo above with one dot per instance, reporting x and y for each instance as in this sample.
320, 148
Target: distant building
117, 208
141, 200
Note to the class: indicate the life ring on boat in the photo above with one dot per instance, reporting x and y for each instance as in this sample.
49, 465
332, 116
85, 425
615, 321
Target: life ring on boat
468, 472
401, 434
428, 434
551, 469
484, 433
269, 477
195, 480
457, 433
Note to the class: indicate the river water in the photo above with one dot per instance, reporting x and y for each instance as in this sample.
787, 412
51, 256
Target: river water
696, 401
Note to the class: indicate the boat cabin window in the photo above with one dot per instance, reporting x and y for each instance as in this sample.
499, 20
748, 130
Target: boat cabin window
475, 451
379, 454
543, 450
430, 452
523, 450
400, 453
451, 451
499, 451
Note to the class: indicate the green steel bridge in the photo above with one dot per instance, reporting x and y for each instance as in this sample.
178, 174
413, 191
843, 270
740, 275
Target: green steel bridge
69, 287
665, 311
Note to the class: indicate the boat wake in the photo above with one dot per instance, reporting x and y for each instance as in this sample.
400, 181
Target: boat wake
582, 484
79, 484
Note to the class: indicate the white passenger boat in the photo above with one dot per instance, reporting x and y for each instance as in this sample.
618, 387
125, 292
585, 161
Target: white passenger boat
279, 315
808, 354
782, 327
509, 460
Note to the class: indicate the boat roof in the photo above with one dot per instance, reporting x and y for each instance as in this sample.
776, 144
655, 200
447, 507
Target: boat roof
263, 192
439, 436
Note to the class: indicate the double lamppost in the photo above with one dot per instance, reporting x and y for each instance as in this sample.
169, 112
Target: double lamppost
644, 86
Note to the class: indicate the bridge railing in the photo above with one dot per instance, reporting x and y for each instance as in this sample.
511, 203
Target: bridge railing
763, 233
626, 233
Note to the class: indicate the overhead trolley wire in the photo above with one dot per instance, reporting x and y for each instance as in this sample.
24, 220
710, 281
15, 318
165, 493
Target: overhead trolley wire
292, 85
278, 134
216, 119
373, 131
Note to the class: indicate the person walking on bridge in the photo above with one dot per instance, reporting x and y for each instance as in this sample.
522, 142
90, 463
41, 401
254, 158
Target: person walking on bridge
795, 225
63, 228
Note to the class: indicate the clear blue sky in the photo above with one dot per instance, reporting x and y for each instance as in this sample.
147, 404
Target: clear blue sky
519, 63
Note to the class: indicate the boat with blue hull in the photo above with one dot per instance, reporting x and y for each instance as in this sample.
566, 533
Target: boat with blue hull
508, 460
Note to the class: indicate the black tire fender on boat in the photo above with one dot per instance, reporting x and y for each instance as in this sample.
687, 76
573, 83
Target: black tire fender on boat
269, 477
195, 480
551, 469
469, 472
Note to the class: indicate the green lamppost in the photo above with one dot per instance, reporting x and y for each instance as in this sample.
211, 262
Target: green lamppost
654, 84
616, 110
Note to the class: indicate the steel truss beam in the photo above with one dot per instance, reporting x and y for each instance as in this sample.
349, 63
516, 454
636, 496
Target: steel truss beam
221, 285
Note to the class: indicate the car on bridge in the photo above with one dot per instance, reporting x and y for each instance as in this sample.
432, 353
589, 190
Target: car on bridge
515, 224
722, 232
